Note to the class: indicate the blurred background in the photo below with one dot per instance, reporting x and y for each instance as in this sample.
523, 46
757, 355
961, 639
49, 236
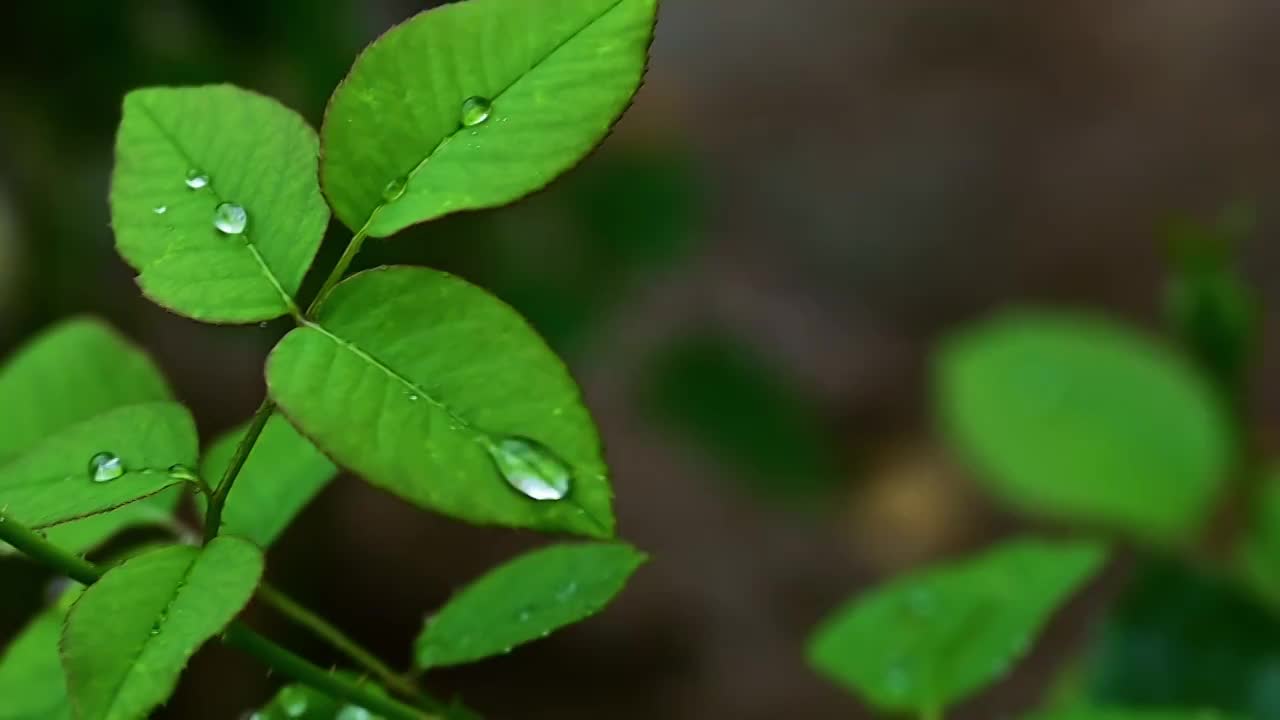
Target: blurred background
748, 279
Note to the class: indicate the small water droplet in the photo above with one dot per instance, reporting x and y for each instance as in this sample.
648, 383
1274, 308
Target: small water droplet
531, 468
475, 110
293, 700
230, 218
105, 467
394, 189
160, 209
196, 179
182, 472
413, 397
525, 615
155, 630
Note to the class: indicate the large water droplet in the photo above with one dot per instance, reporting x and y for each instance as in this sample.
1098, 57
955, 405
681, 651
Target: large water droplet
105, 467
475, 110
230, 218
293, 701
196, 179
531, 468
394, 189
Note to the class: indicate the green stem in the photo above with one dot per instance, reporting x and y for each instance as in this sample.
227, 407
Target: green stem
238, 634
213, 516
297, 668
335, 637
340, 269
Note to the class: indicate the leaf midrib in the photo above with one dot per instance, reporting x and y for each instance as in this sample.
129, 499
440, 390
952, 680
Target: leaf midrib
481, 436
497, 96
285, 297
133, 662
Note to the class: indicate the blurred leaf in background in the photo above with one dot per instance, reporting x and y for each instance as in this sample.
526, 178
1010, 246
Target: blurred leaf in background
1183, 638
1077, 418
1209, 305
726, 399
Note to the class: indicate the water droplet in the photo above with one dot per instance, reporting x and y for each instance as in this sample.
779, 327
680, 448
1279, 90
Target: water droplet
230, 218
155, 629
182, 472
413, 397
160, 209
475, 110
105, 467
394, 189
293, 700
531, 468
196, 179
353, 712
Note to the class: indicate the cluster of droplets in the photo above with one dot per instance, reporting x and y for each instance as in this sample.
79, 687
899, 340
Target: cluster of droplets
107, 466
229, 218
475, 111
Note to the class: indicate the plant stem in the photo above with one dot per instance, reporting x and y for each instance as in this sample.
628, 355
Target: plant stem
213, 516
238, 634
287, 663
335, 637
340, 269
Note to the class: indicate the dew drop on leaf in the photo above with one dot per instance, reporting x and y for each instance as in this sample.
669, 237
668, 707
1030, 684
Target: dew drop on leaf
293, 701
354, 712
196, 179
531, 468
160, 209
394, 189
105, 467
230, 218
475, 110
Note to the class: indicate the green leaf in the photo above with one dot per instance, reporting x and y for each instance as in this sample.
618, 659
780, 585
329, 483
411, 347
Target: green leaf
524, 600
1075, 418
32, 683
414, 378
928, 639
1183, 637
255, 153
129, 636
558, 74
283, 473
1121, 714
71, 372
68, 374
51, 483
1258, 554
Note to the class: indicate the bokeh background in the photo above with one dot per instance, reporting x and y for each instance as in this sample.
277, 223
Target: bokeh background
748, 278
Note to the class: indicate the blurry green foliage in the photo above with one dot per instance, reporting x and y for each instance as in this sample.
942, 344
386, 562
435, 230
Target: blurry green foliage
1181, 637
1074, 417
727, 399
